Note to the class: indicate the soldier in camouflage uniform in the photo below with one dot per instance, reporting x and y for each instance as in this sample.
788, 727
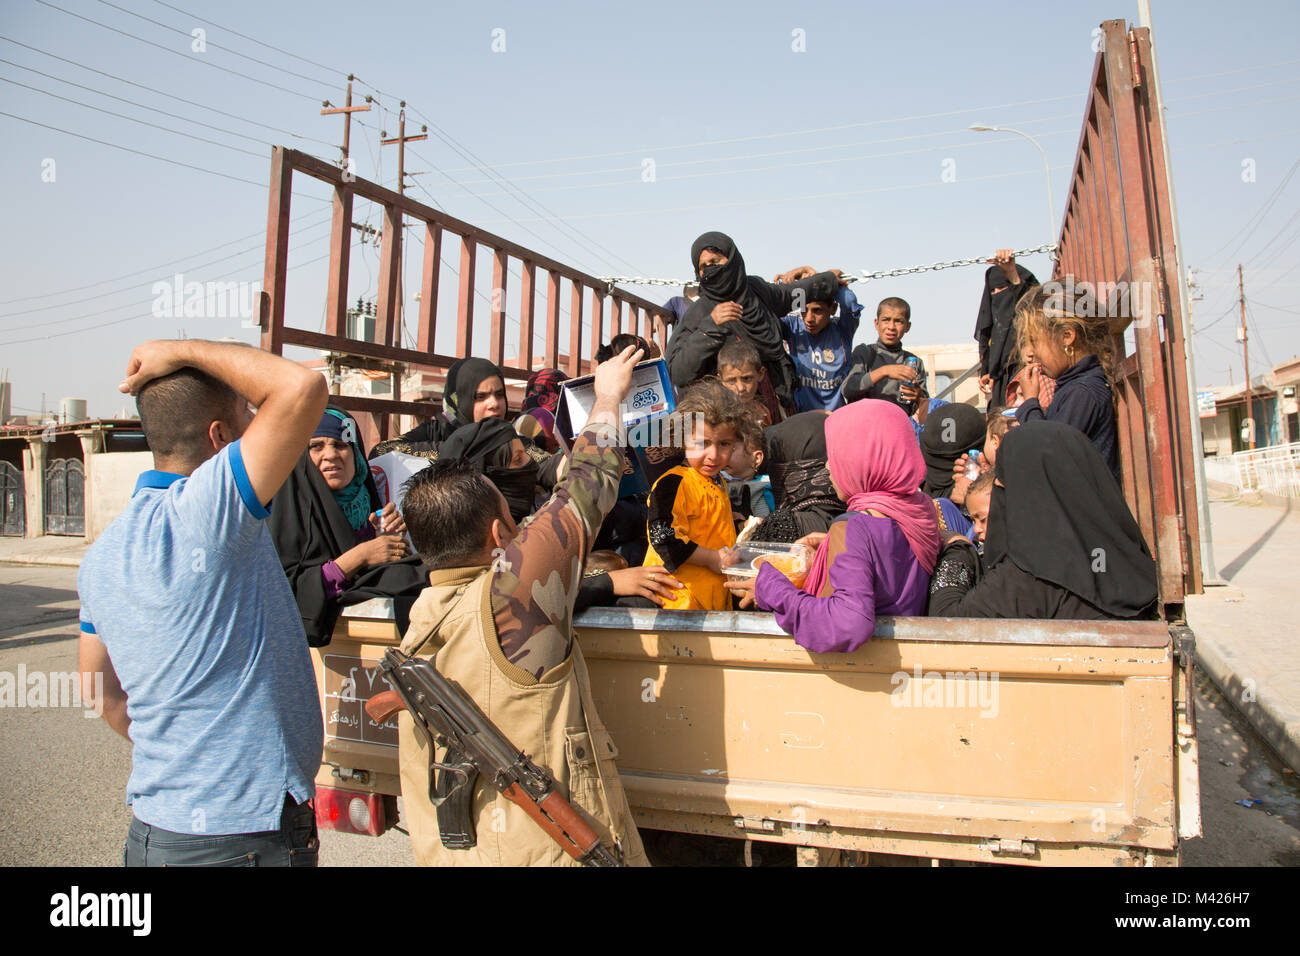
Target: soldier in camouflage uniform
497, 617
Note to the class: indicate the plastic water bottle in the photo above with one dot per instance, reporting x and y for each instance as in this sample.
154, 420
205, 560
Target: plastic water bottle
915, 365
972, 464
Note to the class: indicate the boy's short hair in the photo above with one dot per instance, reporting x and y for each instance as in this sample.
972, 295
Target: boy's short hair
739, 354
449, 508
618, 343
999, 424
177, 409
981, 484
894, 302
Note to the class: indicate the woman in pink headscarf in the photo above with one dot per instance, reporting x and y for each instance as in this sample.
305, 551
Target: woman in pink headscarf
877, 558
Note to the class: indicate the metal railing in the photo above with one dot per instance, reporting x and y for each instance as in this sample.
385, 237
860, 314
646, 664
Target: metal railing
597, 310
1275, 470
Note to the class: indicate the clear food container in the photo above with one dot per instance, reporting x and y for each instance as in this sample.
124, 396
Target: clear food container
792, 560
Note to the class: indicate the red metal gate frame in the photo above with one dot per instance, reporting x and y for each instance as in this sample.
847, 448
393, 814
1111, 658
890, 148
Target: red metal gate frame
1118, 228
626, 312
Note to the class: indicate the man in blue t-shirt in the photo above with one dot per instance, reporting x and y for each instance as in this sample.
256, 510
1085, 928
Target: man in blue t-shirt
820, 340
188, 617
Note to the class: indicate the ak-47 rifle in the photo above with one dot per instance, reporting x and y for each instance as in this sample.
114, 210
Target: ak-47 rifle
475, 745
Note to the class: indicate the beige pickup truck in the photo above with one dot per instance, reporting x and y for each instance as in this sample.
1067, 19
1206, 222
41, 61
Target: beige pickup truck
1033, 742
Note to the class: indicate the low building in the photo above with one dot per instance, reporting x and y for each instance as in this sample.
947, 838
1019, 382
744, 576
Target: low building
68, 478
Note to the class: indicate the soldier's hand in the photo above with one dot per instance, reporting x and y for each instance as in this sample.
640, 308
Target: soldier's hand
614, 376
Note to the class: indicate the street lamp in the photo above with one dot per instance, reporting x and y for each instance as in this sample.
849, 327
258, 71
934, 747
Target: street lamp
1051, 206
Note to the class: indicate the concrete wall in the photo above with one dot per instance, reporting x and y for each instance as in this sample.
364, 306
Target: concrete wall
109, 483
953, 360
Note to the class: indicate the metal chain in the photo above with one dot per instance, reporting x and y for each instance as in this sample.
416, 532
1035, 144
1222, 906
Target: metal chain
864, 276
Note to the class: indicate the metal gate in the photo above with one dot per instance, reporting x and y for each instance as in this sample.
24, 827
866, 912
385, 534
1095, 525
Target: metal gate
65, 497
1118, 236
13, 505
597, 310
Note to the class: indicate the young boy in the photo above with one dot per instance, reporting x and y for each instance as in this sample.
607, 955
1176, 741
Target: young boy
999, 424
741, 370
886, 370
820, 340
750, 492
977, 506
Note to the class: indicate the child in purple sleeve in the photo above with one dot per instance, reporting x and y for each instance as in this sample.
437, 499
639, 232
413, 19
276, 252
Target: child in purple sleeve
877, 559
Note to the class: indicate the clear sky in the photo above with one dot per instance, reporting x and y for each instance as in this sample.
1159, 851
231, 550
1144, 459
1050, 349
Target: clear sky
834, 155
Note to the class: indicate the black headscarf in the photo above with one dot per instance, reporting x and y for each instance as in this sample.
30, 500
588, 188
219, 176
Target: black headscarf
730, 283
310, 529
949, 431
801, 483
1061, 517
995, 326
458, 398
487, 444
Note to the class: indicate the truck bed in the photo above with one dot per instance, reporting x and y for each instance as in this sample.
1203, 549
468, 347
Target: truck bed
1040, 742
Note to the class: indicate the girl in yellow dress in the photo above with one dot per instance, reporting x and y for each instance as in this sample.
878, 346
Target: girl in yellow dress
690, 524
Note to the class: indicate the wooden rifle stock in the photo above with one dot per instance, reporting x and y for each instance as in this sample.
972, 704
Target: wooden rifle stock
557, 817
381, 707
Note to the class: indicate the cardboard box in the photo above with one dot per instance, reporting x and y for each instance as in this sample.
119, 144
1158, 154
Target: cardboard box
650, 397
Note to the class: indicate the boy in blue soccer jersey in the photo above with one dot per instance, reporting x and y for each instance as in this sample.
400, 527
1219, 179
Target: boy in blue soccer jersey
820, 339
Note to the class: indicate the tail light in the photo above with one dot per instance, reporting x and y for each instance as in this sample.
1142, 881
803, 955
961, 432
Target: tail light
350, 812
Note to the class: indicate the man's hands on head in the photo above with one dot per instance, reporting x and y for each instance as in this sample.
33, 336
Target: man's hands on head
289, 398
611, 383
154, 359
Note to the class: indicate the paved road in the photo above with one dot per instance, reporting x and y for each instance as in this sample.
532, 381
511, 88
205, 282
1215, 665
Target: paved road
62, 790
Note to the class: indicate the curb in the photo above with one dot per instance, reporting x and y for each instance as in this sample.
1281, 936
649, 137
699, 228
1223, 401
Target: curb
1270, 718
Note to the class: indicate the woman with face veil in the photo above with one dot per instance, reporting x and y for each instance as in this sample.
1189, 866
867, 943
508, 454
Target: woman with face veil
733, 304
498, 453
1061, 542
324, 527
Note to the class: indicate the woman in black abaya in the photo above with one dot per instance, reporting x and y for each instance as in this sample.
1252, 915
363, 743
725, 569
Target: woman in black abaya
334, 549
733, 303
1061, 541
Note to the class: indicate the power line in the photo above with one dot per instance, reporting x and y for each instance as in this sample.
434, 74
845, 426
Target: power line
523, 197
781, 199
172, 262
132, 288
214, 45
215, 66
245, 36
132, 119
135, 305
127, 149
771, 153
1258, 217
180, 99
798, 165
826, 129
143, 106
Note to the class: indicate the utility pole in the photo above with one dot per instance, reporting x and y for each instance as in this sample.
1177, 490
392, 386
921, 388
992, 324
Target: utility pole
401, 141
1245, 356
347, 110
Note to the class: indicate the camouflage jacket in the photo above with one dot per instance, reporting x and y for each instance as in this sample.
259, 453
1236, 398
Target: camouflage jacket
535, 579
